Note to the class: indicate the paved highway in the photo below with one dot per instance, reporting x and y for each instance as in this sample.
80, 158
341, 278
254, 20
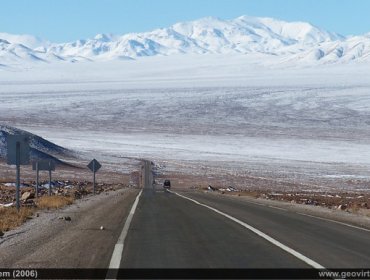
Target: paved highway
170, 231
151, 228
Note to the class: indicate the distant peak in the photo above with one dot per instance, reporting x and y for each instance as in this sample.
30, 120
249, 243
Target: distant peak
4, 41
210, 18
103, 37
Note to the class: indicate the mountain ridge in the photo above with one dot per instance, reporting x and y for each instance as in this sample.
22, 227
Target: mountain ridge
296, 42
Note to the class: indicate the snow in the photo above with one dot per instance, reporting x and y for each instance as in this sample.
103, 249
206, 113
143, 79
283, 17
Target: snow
220, 111
269, 41
285, 100
26, 40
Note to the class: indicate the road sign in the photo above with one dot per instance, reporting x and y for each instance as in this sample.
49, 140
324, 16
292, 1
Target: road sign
44, 165
18, 143
94, 165
47, 165
18, 152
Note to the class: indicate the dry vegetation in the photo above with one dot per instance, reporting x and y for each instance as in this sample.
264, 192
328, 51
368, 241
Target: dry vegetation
10, 218
53, 202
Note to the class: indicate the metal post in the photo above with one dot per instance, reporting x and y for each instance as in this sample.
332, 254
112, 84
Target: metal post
18, 184
94, 176
37, 178
94, 183
142, 176
49, 182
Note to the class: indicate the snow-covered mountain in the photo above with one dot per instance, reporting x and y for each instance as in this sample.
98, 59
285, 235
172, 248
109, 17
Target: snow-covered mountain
291, 42
27, 40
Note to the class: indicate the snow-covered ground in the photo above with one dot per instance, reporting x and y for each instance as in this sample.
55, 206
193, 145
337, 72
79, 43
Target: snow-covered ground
224, 111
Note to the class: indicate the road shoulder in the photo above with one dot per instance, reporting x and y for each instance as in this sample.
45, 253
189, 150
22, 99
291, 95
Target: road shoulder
50, 241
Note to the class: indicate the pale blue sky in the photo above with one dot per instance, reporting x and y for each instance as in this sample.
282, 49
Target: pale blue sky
68, 20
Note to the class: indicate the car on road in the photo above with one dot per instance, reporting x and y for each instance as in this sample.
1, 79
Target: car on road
167, 184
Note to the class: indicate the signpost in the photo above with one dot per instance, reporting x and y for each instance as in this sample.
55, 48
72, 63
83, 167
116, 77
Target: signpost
94, 166
18, 153
47, 165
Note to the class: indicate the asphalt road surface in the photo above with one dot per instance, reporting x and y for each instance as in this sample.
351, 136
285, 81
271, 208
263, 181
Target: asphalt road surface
169, 231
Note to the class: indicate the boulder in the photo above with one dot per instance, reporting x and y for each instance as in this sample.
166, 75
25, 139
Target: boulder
364, 205
342, 207
27, 195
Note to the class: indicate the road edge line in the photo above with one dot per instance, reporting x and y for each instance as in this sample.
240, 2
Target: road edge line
118, 248
333, 221
291, 251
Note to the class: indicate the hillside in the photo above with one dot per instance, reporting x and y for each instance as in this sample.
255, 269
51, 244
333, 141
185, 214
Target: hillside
40, 148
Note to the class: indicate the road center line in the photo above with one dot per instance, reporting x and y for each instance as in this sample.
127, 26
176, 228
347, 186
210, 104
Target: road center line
118, 248
291, 251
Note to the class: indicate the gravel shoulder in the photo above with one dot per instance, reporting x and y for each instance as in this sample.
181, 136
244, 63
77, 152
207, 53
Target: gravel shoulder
47, 241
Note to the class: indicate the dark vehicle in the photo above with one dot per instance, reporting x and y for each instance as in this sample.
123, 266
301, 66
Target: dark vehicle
167, 184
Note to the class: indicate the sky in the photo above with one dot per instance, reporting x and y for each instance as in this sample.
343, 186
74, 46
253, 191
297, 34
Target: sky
70, 20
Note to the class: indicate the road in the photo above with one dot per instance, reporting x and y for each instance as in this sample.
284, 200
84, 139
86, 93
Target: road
169, 231
165, 230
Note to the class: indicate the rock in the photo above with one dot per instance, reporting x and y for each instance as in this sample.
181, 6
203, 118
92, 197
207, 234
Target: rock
27, 195
1, 233
67, 218
101, 228
364, 205
342, 207
29, 202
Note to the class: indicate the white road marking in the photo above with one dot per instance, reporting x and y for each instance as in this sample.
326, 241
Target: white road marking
261, 234
118, 248
333, 221
312, 216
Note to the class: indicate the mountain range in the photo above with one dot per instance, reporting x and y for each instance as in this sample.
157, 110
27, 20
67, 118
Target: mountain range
291, 42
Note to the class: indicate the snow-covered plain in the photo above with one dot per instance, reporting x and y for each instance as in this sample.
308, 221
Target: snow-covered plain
307, 124
255, 96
